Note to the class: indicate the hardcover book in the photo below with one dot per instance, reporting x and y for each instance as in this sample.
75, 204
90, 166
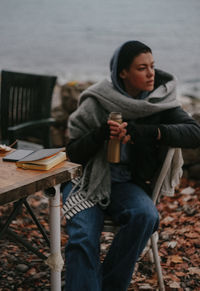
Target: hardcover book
43, 159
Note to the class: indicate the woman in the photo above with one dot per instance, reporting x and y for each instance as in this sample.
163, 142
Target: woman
153, 121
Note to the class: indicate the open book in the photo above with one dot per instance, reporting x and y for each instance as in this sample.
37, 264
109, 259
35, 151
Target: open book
43, 159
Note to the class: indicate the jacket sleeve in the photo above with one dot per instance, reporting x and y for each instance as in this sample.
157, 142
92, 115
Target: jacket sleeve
177, 129
82, 149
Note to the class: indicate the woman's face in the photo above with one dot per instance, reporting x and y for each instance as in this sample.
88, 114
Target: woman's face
140, 76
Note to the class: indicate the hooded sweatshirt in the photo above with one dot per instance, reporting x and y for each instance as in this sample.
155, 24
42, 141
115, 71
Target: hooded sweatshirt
121, 172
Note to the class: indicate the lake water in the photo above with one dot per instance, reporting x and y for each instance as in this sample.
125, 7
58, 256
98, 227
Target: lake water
75, 39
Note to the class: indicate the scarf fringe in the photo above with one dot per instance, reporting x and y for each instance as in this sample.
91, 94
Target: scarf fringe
76, 201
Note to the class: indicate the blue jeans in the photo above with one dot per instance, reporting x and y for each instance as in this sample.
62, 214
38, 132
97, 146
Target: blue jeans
134, 210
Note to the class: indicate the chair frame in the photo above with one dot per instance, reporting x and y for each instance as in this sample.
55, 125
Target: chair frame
109, 225
20, 93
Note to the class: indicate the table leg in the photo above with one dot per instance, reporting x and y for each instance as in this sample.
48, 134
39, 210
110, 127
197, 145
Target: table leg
55, 260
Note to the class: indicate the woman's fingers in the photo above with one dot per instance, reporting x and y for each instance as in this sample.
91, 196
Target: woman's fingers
116, 124
126, 139
117, 128
119, 131
122, 133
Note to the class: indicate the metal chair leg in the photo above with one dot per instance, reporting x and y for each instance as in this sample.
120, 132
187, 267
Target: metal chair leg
157, 262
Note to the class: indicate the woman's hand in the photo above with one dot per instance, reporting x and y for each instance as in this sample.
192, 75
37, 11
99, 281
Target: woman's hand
119, 131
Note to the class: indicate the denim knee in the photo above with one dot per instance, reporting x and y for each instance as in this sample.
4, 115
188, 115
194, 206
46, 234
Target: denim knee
147, 216
79, 235
84, 229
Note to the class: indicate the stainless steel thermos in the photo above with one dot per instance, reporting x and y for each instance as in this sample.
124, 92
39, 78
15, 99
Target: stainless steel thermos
113, 154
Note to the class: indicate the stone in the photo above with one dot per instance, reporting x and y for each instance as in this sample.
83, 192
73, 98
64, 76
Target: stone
39, 275
191, 89
191, 156
68, 96
196, 116
70, 93
58, 136
194, 171
190, 105
22, 268
60, 115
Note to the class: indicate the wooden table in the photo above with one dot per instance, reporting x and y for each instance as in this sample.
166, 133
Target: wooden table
16, 183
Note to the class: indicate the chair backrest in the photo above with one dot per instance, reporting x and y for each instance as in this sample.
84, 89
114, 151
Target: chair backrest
24, 97
162, 174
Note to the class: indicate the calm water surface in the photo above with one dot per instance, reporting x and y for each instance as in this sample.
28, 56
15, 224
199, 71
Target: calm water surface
75, 39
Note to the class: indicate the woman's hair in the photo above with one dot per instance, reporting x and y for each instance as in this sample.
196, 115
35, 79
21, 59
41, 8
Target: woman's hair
127, 53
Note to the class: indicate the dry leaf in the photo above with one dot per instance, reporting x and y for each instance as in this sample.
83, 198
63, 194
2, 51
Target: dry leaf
167, 220
192, 235
194, 270
176, 259
188, 191
172, 244
180, 274
146, 286
175, 285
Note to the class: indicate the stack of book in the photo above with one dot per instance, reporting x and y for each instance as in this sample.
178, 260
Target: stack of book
43, 159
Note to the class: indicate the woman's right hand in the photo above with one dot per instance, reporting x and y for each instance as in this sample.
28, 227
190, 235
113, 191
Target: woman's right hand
118, 130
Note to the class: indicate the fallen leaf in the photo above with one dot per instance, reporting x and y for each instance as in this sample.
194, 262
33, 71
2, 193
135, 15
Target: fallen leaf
172, 244
176, 259
189, 190
167, 220
194, 270
175, 285
145, 287
192, 235
180, 274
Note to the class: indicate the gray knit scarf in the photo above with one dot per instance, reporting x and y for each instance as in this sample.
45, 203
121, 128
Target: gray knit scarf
95, 104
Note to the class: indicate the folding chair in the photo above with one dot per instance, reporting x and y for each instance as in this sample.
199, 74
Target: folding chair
109, 226
25, 108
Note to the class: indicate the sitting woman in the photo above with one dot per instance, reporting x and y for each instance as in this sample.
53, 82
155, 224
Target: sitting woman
152, 121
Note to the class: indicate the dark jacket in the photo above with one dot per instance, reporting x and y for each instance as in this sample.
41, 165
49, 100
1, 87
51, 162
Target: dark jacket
177, 128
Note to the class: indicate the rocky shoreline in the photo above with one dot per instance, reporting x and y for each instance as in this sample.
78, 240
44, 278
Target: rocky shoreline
65, 102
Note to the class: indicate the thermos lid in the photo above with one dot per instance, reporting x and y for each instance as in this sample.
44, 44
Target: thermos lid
115, 115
